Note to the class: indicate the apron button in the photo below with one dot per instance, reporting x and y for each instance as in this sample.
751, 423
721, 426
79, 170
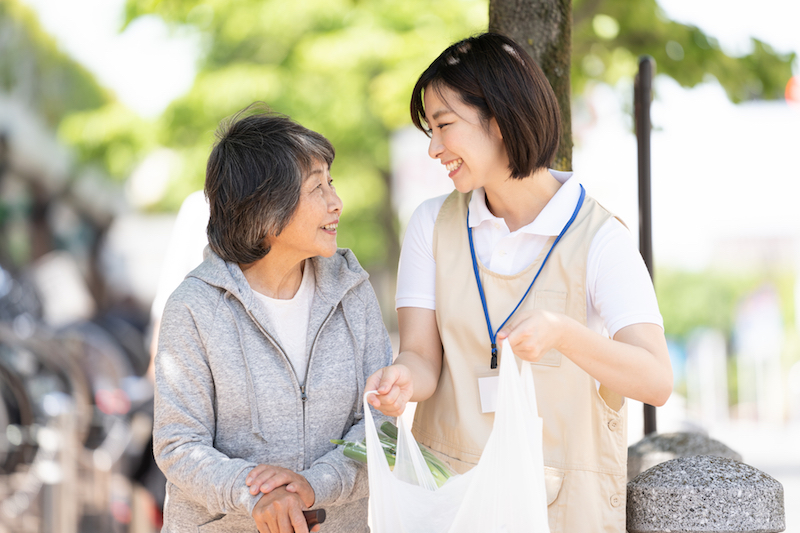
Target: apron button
612, 424
616, 500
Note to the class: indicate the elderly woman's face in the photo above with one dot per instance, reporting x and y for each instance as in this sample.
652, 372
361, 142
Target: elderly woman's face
312, 230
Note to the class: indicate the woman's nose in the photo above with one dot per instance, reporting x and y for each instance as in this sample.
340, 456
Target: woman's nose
435, 148
335, 203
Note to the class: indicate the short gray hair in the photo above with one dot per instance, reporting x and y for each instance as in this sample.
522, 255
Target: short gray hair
253, 179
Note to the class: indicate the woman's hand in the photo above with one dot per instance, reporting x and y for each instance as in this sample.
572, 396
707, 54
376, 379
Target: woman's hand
395, 388
635, 364
267, 478
281, 511
532, 334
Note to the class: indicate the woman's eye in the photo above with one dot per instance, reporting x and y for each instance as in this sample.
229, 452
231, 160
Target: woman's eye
440, 126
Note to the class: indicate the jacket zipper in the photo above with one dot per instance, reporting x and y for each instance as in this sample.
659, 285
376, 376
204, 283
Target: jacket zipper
303, 395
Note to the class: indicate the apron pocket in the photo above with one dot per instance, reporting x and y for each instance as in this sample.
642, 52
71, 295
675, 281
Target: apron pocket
553, 479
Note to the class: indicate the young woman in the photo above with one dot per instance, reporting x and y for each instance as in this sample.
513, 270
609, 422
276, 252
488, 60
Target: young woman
265, 347
519, 251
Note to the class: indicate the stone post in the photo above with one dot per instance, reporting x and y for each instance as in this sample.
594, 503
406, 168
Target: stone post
705, 493
659, 447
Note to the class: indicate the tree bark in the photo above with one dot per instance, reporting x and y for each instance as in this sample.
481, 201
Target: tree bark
544, 29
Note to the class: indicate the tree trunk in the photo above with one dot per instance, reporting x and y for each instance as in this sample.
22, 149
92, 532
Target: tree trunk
544, 29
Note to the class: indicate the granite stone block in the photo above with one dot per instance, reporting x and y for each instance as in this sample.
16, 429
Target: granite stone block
705, 493
657, 448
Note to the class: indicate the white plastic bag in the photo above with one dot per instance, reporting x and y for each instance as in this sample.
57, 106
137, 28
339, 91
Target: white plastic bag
504, 493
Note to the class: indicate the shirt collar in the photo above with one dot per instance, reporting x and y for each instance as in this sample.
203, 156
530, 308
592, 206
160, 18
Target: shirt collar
552, 218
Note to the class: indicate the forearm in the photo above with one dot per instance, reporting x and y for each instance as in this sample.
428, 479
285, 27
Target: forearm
204, 474
424, 374
634, 364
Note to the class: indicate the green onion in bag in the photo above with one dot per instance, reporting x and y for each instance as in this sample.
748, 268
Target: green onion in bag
388, 437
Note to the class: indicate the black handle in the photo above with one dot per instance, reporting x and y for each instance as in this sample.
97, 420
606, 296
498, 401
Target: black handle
314, 517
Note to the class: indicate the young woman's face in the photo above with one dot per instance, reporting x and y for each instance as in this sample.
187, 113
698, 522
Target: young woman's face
312, 229
473, 154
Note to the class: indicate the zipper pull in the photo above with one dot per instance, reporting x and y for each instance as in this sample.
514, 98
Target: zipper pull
303, 396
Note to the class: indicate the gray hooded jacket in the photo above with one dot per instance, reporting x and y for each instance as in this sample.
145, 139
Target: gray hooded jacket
227, 398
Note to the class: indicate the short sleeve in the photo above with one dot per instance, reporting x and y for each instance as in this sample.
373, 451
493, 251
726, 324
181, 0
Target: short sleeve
618, 284
416, 272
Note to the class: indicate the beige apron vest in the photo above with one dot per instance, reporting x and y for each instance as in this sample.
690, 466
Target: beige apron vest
584, 438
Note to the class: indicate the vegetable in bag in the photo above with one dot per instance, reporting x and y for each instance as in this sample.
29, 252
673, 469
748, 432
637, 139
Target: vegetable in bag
388, 437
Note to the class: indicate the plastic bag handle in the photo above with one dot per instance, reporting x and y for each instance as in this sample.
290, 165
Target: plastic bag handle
410, 465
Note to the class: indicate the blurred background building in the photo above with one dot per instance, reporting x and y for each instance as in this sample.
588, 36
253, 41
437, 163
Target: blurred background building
107, 114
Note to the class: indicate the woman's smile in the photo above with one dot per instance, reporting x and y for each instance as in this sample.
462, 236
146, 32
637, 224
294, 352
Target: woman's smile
453, 166
470, 148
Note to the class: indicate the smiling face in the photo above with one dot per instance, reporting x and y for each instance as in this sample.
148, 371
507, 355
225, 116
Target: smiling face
312, 229
473, 154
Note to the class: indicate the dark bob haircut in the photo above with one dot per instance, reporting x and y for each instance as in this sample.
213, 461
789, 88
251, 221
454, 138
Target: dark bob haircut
494, 75
253, 180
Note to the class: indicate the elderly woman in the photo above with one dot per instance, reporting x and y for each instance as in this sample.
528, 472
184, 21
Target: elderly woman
264, 348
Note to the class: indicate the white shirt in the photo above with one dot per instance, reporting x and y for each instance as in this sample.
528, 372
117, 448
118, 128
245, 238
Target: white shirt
290, 318
619, 291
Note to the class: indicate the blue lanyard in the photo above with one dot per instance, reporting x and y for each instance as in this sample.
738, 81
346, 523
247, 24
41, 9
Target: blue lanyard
493, 335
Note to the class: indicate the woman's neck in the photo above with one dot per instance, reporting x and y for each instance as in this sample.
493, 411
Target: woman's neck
275, 276
519, 201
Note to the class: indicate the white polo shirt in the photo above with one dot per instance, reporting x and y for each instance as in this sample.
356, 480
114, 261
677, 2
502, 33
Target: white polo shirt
619, 291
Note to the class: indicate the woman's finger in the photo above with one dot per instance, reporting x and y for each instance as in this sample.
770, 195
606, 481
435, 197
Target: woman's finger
264, 477
271, 521
374, 380
302, 488
277, 479
283, 517
298, 521
254, 473
391, 403
388, 379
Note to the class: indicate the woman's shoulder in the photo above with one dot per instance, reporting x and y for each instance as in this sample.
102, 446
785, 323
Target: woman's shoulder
195, 297
429, 209
423, 219
613, 233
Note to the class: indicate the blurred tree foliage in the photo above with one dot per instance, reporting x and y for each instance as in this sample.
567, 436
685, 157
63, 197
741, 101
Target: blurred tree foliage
346, 68
608, 36
35, 71
689, 300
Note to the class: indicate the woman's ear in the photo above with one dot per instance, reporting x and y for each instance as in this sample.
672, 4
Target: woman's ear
494, 128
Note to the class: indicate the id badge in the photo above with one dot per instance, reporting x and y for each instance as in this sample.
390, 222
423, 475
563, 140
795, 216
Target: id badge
487, 386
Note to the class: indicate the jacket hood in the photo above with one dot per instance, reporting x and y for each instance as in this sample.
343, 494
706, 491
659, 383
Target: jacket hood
335, 276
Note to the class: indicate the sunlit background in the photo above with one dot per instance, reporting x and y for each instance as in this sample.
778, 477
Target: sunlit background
107, 114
